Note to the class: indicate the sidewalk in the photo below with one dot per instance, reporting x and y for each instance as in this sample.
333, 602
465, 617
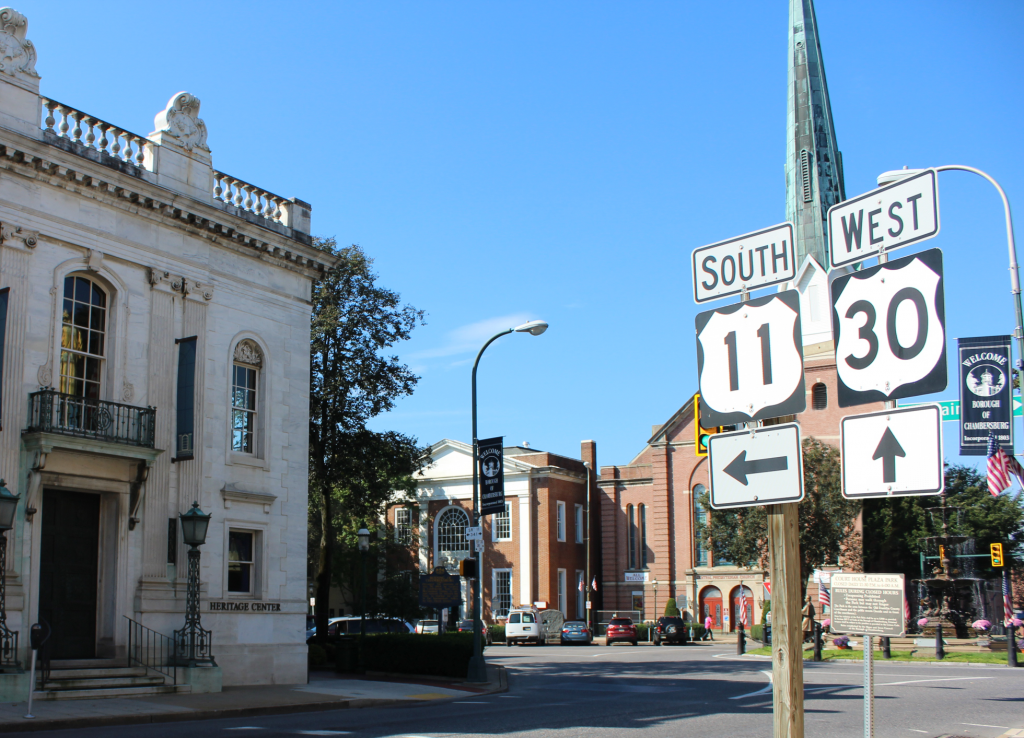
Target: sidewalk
325, 691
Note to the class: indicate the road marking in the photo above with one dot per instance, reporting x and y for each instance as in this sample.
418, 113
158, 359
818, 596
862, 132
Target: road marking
917, 731
321, 732
982, 725
247, 727
947, 679
472, 703
763, 690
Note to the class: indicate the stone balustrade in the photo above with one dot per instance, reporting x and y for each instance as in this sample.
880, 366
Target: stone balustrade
250, 198
91, 132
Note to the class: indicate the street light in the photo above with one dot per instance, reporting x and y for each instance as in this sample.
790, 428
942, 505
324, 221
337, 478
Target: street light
364, 547
477, 669
897, 175
194, 644
8, 638
655, 585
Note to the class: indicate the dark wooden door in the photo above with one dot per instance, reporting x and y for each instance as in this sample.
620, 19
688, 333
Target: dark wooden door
68, 571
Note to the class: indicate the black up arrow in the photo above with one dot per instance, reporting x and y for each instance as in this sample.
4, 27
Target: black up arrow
739, 467
888, 449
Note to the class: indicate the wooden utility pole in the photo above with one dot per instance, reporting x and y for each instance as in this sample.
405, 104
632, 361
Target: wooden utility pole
787, 634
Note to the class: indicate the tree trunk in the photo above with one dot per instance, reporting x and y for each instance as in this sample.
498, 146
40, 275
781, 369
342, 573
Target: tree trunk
323, 574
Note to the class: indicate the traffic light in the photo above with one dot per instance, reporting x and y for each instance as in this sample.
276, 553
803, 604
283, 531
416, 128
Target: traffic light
700, 435
467, 568
996, 552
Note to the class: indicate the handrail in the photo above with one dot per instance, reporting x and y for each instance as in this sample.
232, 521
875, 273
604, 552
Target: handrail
151, 650
51, 411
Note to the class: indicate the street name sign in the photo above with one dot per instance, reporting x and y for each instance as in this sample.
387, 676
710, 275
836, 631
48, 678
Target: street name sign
474, 533
750, 363
747, 262
868, 604
892, 453
884, 219
759, 466
889, 327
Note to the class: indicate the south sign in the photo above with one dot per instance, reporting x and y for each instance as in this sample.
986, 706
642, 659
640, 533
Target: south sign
746, 263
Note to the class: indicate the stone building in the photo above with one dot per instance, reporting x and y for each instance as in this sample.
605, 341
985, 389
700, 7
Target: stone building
156, 353
534, 553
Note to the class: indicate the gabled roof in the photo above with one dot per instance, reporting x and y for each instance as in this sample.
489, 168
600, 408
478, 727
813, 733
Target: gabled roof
677, 419
442, 451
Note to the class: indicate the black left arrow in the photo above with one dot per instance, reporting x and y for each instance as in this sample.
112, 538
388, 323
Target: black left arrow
739, 467
888, 449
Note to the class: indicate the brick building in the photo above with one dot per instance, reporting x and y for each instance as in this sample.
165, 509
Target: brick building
535, 552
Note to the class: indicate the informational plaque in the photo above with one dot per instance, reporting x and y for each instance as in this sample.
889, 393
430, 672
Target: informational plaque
440, 589
868, 604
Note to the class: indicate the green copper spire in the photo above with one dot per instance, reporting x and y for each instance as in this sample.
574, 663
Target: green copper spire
814, 166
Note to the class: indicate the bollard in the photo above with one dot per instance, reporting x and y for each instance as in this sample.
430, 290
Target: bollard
940, 647
741, 641
886, 652
1011, 645
817, 641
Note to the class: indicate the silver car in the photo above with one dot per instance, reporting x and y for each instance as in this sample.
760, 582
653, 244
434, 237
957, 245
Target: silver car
576, 631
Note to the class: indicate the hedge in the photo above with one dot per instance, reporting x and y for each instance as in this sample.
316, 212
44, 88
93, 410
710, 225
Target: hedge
756, 632
415, 653
497, 633
317, 655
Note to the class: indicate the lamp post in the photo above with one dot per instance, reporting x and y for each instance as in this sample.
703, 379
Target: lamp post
477, 670
193, 642
364, 548
8, 638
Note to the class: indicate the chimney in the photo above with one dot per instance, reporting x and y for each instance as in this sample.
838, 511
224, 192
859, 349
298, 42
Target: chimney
588, 452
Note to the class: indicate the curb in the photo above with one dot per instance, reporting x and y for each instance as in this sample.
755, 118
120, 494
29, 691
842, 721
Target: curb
102, 721
879, 660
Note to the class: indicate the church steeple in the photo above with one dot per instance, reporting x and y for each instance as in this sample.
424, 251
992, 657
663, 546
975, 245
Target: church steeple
814, 166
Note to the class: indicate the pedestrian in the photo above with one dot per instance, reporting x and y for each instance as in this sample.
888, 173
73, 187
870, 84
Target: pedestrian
708, 624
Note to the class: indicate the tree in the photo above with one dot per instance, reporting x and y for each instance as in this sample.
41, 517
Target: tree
671, 609
353, 471
826, 520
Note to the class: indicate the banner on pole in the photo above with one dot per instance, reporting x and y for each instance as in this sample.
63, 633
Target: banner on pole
986, 387
490, 456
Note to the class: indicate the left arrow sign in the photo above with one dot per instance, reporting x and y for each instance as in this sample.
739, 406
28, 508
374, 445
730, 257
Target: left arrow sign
740, 467
761, 466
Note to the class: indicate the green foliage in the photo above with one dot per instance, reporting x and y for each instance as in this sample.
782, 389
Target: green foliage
696, 632
893, 528
671, 610
642, 631
497, 633
413, 653
826, 519
399, 597
317, 655
765, 609
757, 632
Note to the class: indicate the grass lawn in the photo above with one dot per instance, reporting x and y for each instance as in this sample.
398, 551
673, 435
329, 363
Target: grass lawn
955, 656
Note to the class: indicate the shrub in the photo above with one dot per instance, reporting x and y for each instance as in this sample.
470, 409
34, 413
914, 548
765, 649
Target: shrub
757, 632
671, 610
696, 632
317, 655
329, 651
414, 653
642, 631
497, 633
765, 609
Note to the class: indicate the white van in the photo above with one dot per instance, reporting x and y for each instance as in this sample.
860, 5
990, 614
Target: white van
523, 626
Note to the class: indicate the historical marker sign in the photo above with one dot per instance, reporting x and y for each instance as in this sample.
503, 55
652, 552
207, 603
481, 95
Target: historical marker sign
868, 604
762, 466
893, 453
986, 386
886, 218
440, 589
750, 362
889, 324
747, 263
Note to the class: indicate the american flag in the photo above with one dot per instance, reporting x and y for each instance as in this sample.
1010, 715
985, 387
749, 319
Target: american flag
743, 606
906, 608
580, 587
1007, 601
593, 584
823, 599
1000, 466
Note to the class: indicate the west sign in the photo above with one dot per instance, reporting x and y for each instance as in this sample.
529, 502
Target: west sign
744, 263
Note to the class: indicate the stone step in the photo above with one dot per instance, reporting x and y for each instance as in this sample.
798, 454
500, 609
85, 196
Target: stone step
99, 694
87, 663
104, 683
103, 673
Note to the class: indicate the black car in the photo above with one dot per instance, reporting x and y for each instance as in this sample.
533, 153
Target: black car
466, 626
670, 630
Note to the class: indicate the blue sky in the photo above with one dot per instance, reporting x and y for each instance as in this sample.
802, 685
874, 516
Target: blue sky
508, 161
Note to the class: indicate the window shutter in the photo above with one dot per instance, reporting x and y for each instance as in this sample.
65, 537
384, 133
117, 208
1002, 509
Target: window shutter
185, 429
4, 294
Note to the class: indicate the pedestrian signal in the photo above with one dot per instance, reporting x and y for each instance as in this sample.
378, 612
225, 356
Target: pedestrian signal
700, 435
467, 568
996, 552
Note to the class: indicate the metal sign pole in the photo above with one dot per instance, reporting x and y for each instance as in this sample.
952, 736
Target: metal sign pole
869, 686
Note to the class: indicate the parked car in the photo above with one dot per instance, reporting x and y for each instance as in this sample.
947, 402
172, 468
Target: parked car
466, 626
427, 626
352, 625
621, 630
576, 631
523, 626
670, 630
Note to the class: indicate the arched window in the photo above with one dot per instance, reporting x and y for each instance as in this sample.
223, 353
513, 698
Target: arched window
451, 531
642, 515
631, 523
701, 518
245, 400
819, 396
83, 337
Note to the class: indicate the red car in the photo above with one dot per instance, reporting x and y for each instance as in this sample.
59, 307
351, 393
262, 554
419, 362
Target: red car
621, 629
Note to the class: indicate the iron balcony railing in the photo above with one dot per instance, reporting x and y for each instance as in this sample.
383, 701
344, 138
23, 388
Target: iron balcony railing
54, 412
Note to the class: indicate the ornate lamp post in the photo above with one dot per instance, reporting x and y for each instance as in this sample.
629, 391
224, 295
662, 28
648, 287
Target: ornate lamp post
193, 643
8, 638
364, 549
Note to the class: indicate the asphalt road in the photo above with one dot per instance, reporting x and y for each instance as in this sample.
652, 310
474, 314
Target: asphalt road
653, 692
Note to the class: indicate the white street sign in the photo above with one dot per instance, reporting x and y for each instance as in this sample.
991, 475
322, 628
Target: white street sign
474, 534
893, 453
478, 545
887, 218
868, 604
762, 466
747, 262
750, 363
889, 327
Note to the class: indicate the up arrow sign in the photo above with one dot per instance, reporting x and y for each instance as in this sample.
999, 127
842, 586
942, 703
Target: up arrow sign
888, 449
740, 467
913, 434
